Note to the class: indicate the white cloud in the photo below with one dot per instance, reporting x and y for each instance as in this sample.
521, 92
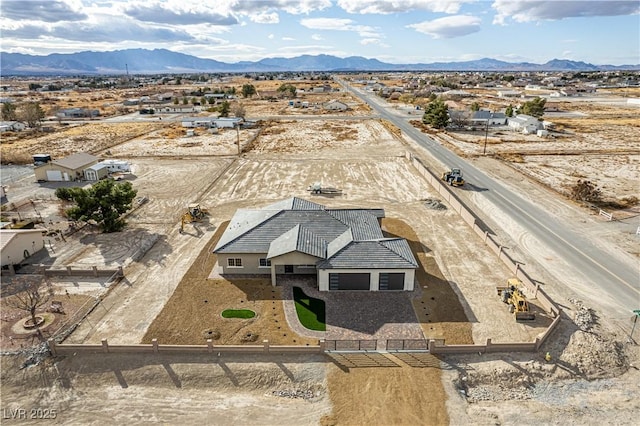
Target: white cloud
366, 41
45, 11
398, 6
288, 39
177, 15
339, 24
265, 18
271, 36
294, 7
533, 10
449, 27
316, 37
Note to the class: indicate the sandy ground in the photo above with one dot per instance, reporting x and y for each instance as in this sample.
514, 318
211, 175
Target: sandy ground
594, 358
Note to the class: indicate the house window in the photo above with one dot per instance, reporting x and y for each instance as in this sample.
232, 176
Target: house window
265, 263
234, 262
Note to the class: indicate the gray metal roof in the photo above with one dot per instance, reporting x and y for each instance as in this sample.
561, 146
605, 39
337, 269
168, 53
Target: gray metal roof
76, 161
381, 254
339, 243
300, 239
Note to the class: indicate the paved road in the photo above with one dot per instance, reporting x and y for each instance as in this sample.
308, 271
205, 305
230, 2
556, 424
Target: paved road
608, 279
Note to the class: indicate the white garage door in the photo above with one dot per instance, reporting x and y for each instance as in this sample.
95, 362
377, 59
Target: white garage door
54, 175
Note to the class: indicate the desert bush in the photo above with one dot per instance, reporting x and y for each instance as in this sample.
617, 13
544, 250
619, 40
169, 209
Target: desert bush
585, 190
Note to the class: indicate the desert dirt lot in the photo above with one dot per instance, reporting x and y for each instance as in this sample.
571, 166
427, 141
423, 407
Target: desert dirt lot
368, 163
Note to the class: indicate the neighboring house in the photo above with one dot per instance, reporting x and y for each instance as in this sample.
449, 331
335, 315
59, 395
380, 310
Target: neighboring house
525, 124
67, 169
228, 122
335, 105
96, 172
493, 118
509, 93
344, 248
77, 113
178, 109
198, 122
11, 126
16, 245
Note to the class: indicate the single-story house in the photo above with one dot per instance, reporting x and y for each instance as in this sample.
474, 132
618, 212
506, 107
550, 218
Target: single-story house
198, 122
493, 118
67, 169
509, 93
228, 122
525, 124
16, 245
178, 109
77, 113
344, 248
96, 172
11, 126
335, 105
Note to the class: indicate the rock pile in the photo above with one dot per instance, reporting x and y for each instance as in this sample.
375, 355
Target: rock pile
584, 317
433, 204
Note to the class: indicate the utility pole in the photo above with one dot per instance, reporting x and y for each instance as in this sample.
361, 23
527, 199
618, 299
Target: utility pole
238, 136
635, 319
486, 134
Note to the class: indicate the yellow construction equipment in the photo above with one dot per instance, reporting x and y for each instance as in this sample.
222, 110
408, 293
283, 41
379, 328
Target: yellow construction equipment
453, 177
194, 213
513, 296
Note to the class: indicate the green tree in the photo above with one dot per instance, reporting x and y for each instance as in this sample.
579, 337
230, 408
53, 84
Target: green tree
288, 89
475, 107
534, 107
436, 114
509, 111
176, 101
224, 109
248, 90
185, 100
104, 202
203, 100
31, 113
8, 111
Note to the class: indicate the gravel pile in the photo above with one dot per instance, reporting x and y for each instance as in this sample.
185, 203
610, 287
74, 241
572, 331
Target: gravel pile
298, 393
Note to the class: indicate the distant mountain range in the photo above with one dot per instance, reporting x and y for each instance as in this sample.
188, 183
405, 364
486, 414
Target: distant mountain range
161, 61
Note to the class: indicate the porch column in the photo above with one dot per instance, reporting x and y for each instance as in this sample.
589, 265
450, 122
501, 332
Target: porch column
273, 275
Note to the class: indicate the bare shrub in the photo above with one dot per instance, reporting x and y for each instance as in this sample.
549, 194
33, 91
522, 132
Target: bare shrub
585, 190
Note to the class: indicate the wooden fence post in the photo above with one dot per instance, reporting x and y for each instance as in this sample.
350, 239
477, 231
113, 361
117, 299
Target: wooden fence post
154, 343
105, 345
265, 343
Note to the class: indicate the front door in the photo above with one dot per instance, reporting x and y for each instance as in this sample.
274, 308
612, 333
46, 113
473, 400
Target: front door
288, 269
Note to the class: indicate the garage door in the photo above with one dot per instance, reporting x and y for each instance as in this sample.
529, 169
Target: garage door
349, 281
54, 175
391, 281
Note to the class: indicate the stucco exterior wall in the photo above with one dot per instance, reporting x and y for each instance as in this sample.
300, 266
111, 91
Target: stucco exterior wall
409, 277
13, 252
251, 263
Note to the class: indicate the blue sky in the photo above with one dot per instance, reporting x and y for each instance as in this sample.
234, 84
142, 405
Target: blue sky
395, 31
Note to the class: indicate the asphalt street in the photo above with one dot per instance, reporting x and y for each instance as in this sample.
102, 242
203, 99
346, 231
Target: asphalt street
603, 272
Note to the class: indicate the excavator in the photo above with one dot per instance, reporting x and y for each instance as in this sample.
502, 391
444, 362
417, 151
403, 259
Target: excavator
513, 296
194, 213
